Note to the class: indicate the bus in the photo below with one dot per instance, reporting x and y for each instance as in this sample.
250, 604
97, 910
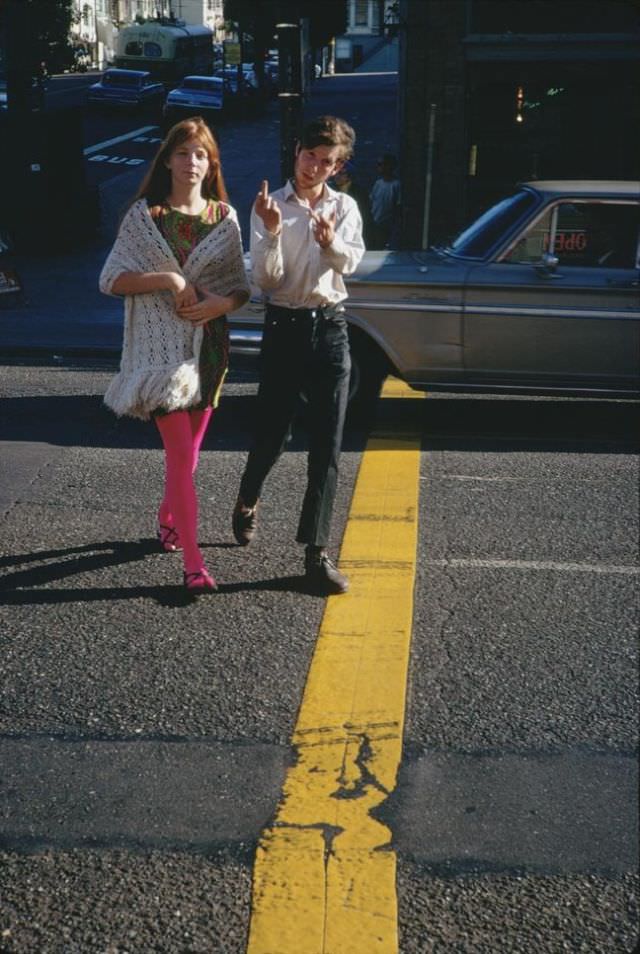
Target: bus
168, 49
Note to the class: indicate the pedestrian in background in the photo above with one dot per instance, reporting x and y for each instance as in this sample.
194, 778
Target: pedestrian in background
344, 181
304, 238
177, 259
385, 202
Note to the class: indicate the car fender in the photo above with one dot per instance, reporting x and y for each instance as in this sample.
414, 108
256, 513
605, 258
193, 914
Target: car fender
364, 336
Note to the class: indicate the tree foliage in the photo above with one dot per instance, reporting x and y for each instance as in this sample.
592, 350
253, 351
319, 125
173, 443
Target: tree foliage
50, 24
52, 20
259, 19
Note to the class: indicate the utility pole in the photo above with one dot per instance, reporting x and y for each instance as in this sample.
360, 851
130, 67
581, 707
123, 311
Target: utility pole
17, 33
290, 95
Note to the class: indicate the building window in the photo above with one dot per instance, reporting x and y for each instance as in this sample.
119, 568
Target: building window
361, 13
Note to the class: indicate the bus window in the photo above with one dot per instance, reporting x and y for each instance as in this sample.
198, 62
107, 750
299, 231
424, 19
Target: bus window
133, 48
152, 49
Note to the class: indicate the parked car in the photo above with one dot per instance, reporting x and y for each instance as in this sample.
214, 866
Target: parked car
127, 89
241, 95
541, 294
195, 96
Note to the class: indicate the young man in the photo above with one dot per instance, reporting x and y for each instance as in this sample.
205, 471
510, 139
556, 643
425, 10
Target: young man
304, 238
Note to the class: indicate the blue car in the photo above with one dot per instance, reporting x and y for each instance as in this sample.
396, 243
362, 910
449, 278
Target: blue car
127, 89
195, 96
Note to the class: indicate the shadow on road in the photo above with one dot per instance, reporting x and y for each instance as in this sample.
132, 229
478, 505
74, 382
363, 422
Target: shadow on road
447, 422
30, 585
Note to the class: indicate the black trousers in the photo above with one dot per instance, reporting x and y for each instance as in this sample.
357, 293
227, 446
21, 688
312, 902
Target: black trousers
302, 350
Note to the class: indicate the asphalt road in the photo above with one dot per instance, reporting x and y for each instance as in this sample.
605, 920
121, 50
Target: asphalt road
145, 738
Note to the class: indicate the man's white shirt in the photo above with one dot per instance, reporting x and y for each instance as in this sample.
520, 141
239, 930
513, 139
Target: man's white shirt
313, 275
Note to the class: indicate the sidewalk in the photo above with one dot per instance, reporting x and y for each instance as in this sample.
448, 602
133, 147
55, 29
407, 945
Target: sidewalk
63, 313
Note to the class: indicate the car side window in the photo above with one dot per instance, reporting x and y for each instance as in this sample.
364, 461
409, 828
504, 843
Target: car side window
610, 235
587, 234
533, 244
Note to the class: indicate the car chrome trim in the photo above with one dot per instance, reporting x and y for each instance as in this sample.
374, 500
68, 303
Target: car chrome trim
401, 305
550, 312
489, 387
245, 336
519, 312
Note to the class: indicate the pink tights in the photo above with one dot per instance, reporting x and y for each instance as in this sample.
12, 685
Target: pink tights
182, 434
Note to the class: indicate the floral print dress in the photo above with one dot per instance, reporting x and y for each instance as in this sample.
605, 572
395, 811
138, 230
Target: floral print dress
182, 233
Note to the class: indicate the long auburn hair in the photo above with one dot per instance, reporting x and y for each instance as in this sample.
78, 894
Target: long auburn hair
156, 185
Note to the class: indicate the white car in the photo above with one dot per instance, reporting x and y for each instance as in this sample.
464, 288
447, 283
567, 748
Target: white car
196, 95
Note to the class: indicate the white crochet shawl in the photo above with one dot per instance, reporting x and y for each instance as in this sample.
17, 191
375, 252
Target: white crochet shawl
160, 351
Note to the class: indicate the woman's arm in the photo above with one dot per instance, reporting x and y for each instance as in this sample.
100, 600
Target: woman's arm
237, 299
138, 283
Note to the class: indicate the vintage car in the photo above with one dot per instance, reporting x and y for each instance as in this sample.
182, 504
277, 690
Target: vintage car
196, 95
241, 93
127, 89
540, 294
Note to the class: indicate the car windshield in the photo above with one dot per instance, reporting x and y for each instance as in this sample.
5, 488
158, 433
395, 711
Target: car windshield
120, 79
208, 85
478, 239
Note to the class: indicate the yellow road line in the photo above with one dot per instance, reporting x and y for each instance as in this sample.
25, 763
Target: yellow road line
324, 879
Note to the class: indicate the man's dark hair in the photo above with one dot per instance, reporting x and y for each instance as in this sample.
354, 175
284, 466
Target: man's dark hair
329, 131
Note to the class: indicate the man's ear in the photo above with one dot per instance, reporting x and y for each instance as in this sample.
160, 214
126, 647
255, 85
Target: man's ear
338, 165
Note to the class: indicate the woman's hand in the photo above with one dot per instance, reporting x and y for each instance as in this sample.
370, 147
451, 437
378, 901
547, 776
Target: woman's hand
184, 293
207, 307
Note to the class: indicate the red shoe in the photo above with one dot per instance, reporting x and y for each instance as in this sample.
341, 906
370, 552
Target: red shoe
200, 582
169, 539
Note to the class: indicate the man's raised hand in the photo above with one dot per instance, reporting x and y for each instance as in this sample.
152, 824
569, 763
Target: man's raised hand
268, 209
324, 228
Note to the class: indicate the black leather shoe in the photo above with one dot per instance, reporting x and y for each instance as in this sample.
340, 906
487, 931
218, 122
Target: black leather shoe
322, 576
244, 522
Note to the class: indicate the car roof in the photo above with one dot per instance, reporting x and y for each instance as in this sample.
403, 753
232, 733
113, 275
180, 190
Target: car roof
617, 187
194, 76
118, 72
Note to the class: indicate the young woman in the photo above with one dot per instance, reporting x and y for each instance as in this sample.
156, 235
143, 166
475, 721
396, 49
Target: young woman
178, 261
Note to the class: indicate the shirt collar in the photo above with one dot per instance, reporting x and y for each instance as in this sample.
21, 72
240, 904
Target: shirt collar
289, 191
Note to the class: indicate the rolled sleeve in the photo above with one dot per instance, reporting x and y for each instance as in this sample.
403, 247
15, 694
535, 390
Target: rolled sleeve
266, 255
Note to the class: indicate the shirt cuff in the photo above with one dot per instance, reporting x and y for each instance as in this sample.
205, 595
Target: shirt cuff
337, 251
270, 239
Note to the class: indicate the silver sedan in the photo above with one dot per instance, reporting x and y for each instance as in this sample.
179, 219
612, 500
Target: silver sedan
540, 294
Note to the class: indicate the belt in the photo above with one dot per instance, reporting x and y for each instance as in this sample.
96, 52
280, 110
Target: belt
322, 311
